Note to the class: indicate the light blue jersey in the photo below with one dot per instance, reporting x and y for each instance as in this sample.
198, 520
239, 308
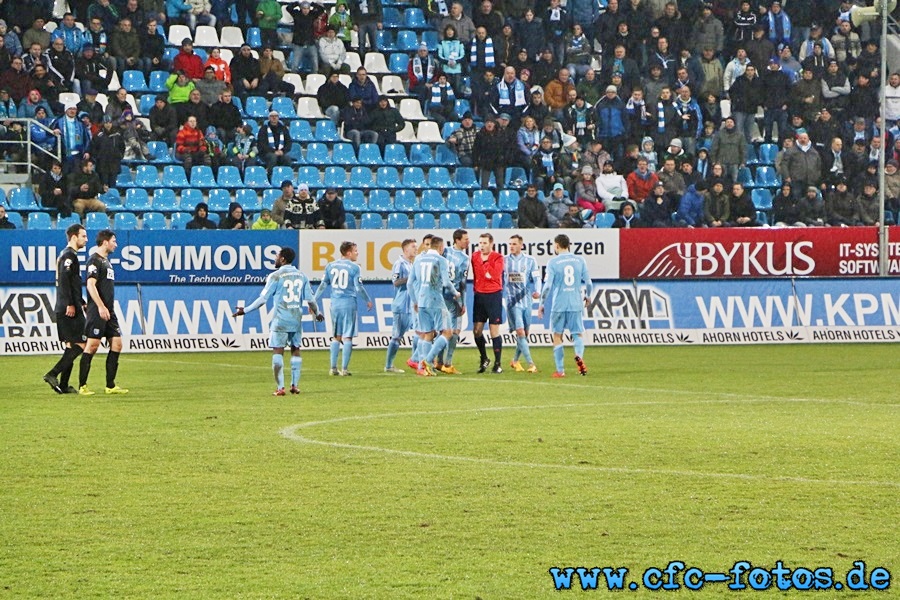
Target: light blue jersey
291, 289
429, 278
343, 277
401, 302
521, 279
459, 273
567, 283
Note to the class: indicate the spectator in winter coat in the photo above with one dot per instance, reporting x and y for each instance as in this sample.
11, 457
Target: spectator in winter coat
52, 189
108, 148
558, 203
274, 143
690, 207
187, 61
357, 124
489, 155
331, 211
332, 96
190, 145
743, 213
841, 206
729, 147
532, 212
362, 87
788, 208
641, 181
163, 121
627, 219
242, 152
717, 204
387, 122
235, 218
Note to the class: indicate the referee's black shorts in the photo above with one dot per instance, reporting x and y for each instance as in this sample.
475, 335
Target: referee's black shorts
71, 329
488, 308
97, 329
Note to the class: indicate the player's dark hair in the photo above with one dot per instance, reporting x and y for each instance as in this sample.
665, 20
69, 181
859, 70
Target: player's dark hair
458, 234
288, 255
516, 236
407, 242
427, 237
562, 240
488, 236
105, 236
73, 230
346, 247
436, 242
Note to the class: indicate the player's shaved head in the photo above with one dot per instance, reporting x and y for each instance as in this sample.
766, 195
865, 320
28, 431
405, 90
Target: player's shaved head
347, 247
437, 242
458, 234
287, 255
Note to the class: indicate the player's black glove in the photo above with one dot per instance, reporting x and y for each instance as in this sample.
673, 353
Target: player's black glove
319, 317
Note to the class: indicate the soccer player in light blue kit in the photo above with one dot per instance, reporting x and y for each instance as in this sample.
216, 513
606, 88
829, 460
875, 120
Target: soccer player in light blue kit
343, 277
290, 288
401, 306
521, 286
429, 280
459, 273
568, 285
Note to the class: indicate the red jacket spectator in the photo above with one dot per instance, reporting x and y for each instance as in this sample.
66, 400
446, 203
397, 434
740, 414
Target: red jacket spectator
639, 187
480, 269
188, 62
189, 140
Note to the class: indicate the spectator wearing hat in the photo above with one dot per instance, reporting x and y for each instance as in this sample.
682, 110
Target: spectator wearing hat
863, 99
305, 15
545, 69
892, 186
362, 87
729, 147
342, 22
201, 218
778, 24
357, 124
264, 222
802, 163
387, 122
841, 206
806, 96
690, 211
163, 121
490, 153
274, 143
367, 21
520, 62
558, 203
235, 218
242, 151
807, 47
332, 97
627, 217
187, 61
789, 208
301, 211
869, 205
612, 122
332, 53
108, 148
331, 211
36, 34
246, 75
824, 128
586, 195
708, 31
462, 140
74, 137
421, 71
91, 71
717, 204
656, 210
777, 86
506, 45
209, 86
84, 188
816, 61
845, 42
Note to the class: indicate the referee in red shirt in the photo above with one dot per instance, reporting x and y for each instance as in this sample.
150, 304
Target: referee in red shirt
487, 273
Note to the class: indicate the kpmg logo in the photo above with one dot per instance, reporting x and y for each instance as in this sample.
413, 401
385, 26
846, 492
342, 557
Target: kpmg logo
742, 259
630, 308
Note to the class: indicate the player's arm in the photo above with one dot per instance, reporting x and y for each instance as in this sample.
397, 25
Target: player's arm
505, 281
496, 267
66, 290
311, 303
446, 282
587, 283
412, 287
94, 293
534, 279
361, 289
323, 285
396, 275
267, 292
548, 285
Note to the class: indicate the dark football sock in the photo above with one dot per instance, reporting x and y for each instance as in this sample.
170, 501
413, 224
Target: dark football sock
497, 343
482, 346
112, 367
84, 369
68, 358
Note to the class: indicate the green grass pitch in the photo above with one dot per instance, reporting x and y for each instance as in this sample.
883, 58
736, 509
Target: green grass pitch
200, 484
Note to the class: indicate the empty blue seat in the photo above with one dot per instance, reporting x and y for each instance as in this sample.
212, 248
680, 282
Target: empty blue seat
22, 198
439, 178
391, 17
397, 221
414, 178
343, 154
430, 38
256, 107
229, 177
384, 42
476, 221
369, 154
414, 18
284, 107
154, 221
466, 178
767, 153
387, 177
380, 201
254, 37
501, 221
125, 221
180, 220
248, 199
326, 131
190, 198
335, 177
62, 223
157, 82
240, 106
145, 176
450, 221
218, 200
766, 176
361, 177
398, 63
449, 128
256, 177
202, 177
301, 131
395, 154
146, 103
308, 175
445, 156
420, 154
282, 173
604, 220
483, 200
509, 200
174, 177
750, 155
350, 221
461, 107
433, 200
424, 221
458, 200
137, 199
112, 200
406, 201
134, 81
354, 201
269, 197
407, 41
762, 199
762, 218
125, 178
316, 153
96, 221
370, 221
164, 200
161, 152
36, 220
745, 177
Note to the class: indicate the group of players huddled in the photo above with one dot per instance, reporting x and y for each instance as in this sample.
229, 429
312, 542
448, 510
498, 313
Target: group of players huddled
429, 298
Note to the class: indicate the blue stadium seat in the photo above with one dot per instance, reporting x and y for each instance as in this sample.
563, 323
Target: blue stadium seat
767, 177
326, 131
214, 217
516, 178
257, 107
36, 220
354, 201
767, 153
745, 177
170, 53
444, 156
218, 200
420, 154
137, 199
229, 177
433, 200
343, 154
350, 221
387, 177
750, 155
406, 201
431, 39
509, 200
146, 103
95, 221
501, 221
476, 220
190, 198
335, 177
459, 200
380, 201
439, 178
384, 42
449, 127
180, 220
248, 199
762, 218
407, 41
269, 197
604, 220
369, 154
240, 105
316, 153
145, 176
174, 177
391, 17
301, 131
361, 177
162, 154
466, 178
414, 178
164, 200
397, 221
62, 223
395, 154
125, 178
202, 177
256, 177
112, 199
762, 199
483, 200
414, 18
450, 221
398, 63
125, 221
284, 106
22, 198
154, 221
280, 173
370, 221
461, 107
134, 82
254, 38
424, 221
157, 82
308, 175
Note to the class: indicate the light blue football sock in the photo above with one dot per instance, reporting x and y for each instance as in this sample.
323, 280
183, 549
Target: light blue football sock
296, 366
278, 369
335, 348
451, 348
578, 342
392, 349
436, 348
424, 349
522, 346
558, 356
348, 350
415, 348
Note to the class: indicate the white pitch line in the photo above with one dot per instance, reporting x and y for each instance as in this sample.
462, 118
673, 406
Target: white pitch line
290, 433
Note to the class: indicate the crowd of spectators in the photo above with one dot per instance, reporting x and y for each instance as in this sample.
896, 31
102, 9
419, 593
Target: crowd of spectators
610, 105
